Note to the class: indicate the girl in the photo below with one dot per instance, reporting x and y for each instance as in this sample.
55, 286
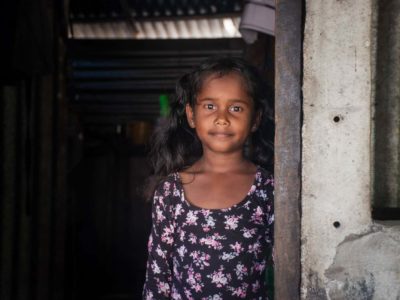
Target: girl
213, 205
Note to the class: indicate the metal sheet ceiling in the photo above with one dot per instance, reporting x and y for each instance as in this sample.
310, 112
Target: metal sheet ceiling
186, 28
154, 19
113, 9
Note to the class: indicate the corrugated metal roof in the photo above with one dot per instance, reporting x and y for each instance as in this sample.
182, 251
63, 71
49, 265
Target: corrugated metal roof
184, 28
154, 19
86, 10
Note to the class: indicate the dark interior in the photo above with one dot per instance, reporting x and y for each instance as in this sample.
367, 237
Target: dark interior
76, 118
114, 89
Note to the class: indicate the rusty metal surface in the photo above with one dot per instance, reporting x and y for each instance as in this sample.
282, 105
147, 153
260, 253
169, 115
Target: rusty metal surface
288, 105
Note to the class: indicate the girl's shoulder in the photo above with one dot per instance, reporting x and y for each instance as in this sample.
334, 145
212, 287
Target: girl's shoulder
264, 188
265, 177
169, 187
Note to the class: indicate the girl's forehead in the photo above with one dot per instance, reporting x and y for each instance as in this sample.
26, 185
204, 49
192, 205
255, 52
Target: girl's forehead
232, 79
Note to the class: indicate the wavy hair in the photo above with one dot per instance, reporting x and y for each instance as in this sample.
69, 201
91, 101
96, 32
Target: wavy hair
175, 146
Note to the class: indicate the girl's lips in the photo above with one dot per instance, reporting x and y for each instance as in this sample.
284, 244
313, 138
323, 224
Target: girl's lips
221, 134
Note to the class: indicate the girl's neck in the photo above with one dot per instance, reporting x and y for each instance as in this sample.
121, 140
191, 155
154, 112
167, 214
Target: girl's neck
222, 163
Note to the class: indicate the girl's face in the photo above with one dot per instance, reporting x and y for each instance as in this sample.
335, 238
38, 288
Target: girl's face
223, 115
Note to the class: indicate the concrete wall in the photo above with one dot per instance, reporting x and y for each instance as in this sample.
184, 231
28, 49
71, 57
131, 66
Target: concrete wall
345, 255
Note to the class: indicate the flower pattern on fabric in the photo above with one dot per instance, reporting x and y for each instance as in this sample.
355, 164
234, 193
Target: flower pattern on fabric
210, 254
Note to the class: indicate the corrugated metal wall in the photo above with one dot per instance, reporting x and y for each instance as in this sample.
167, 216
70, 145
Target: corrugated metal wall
117, 81
32, 198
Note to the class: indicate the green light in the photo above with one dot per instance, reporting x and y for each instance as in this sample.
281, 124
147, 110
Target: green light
164, 105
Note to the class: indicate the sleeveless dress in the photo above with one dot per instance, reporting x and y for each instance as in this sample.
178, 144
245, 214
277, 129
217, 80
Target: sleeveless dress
197, 253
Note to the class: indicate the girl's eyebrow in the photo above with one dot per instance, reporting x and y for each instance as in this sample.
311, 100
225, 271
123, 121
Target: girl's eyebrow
229, 100
205, 99
240, 101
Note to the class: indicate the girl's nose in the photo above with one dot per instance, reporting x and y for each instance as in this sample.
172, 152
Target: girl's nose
221, 120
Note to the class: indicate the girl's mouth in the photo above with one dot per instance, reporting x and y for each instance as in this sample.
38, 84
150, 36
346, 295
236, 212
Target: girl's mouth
221, 134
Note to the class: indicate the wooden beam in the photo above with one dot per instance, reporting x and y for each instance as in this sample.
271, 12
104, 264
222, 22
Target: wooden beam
288, 105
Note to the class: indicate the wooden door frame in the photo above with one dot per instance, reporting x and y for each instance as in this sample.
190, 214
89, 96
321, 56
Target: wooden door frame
288, 118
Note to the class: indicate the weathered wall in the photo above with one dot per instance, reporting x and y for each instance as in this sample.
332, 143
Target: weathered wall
344, 254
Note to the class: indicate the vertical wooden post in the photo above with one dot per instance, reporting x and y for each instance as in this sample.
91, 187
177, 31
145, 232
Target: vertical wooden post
288, 105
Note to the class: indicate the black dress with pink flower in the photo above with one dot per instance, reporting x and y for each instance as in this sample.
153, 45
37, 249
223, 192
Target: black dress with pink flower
197, 253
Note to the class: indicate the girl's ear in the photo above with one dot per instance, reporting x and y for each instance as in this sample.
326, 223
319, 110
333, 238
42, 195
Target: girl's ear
190, 115
257, 120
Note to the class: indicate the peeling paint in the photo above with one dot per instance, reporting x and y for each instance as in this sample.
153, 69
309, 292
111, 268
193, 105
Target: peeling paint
315, 289
361, 289
366, 266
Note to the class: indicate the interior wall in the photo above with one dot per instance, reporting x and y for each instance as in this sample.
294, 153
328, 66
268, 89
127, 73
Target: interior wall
32, 201
345, 255
32, 153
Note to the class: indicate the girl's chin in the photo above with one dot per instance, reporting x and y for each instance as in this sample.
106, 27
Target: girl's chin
223, 148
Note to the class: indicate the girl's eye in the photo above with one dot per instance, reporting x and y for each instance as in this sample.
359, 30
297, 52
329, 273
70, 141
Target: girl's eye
209, 106
236, 109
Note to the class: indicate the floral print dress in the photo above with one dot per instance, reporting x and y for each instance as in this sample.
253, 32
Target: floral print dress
212, 254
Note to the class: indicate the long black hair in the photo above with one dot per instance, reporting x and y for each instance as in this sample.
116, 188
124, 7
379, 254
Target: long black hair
175, 146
